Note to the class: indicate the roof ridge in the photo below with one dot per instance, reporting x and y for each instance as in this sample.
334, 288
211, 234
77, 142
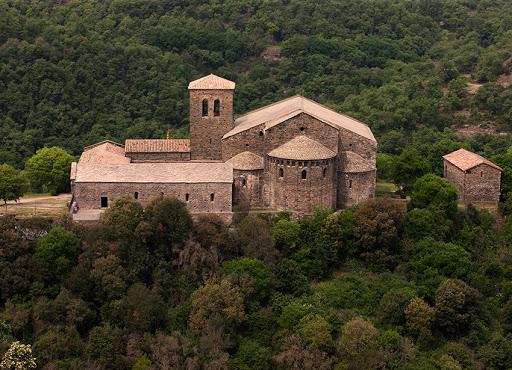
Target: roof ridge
334, 111
269, 105
102, 142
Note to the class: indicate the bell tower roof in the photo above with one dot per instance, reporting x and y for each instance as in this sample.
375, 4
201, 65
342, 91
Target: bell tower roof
211, 82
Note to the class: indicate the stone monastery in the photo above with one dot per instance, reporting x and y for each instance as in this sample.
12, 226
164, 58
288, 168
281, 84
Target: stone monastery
291, 155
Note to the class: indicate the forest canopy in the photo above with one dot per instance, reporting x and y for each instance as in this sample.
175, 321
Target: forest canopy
74, 73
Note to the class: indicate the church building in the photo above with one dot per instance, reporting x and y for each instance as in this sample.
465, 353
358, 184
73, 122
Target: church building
294, 155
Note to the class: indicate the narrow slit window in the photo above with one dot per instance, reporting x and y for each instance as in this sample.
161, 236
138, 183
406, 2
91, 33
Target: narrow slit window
281, 173
481, 173
216, 107
187, 197
136, 195
205, 108
350, 184
304, 174
212, 197
324, 172
244, 182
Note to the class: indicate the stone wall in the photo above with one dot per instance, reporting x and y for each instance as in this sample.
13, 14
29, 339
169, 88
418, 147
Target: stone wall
158, 157
355, 187
480, 184
261, 142
247, 187
206, 132
88, 195
291, 192
455, 176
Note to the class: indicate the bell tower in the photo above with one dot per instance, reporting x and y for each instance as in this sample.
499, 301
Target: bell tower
211, 115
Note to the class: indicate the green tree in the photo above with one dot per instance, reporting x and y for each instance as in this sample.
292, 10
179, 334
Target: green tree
457, 308
13, 183
253, 276
49, 170
409, 166
286, 234
358, 345
435, 193
419, 317
57, 253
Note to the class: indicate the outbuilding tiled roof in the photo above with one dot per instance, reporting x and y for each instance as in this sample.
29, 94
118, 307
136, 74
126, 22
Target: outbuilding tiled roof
276, 113
182, 172
105, 152
352, 162
246, 161
465, 160
157, 146
211, 82
302, 148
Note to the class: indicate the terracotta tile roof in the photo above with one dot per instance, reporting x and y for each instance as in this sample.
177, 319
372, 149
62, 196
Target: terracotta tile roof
246, 161
157, 146
211, 82
182, 172
465, 160
278, 112
353, 162
302, 148
105, 152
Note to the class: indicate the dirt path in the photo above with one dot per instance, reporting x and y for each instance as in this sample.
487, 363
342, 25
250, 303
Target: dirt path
37, 205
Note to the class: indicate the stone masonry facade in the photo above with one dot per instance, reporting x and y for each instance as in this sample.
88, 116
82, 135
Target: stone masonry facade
476, 179
292, 155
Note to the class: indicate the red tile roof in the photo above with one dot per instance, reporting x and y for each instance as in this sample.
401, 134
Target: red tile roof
157, 146
465, 160
211, 82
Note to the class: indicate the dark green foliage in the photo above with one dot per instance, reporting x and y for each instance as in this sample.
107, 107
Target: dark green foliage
56, 254
434, 193
13, 184
149, 288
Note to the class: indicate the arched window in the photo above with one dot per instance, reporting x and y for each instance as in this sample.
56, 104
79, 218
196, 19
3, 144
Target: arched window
136, 195
324, 172
261, 133
187, 197
205, 107
212, 197
216, 107
281, 173
304, 174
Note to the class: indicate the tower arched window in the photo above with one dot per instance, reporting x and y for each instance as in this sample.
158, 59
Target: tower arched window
304, 174
205, 107
281, 173
216, 107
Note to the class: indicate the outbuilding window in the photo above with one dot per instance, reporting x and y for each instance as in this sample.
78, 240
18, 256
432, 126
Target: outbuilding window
281, 173
216, 107
104, 202
205, 107
304, 174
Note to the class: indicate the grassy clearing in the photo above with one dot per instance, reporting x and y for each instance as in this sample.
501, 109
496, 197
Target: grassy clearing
385, 188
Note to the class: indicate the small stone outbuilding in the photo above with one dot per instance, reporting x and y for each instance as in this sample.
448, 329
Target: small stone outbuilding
476, 178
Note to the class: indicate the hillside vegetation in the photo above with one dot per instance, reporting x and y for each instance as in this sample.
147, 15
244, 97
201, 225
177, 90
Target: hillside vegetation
73, 73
